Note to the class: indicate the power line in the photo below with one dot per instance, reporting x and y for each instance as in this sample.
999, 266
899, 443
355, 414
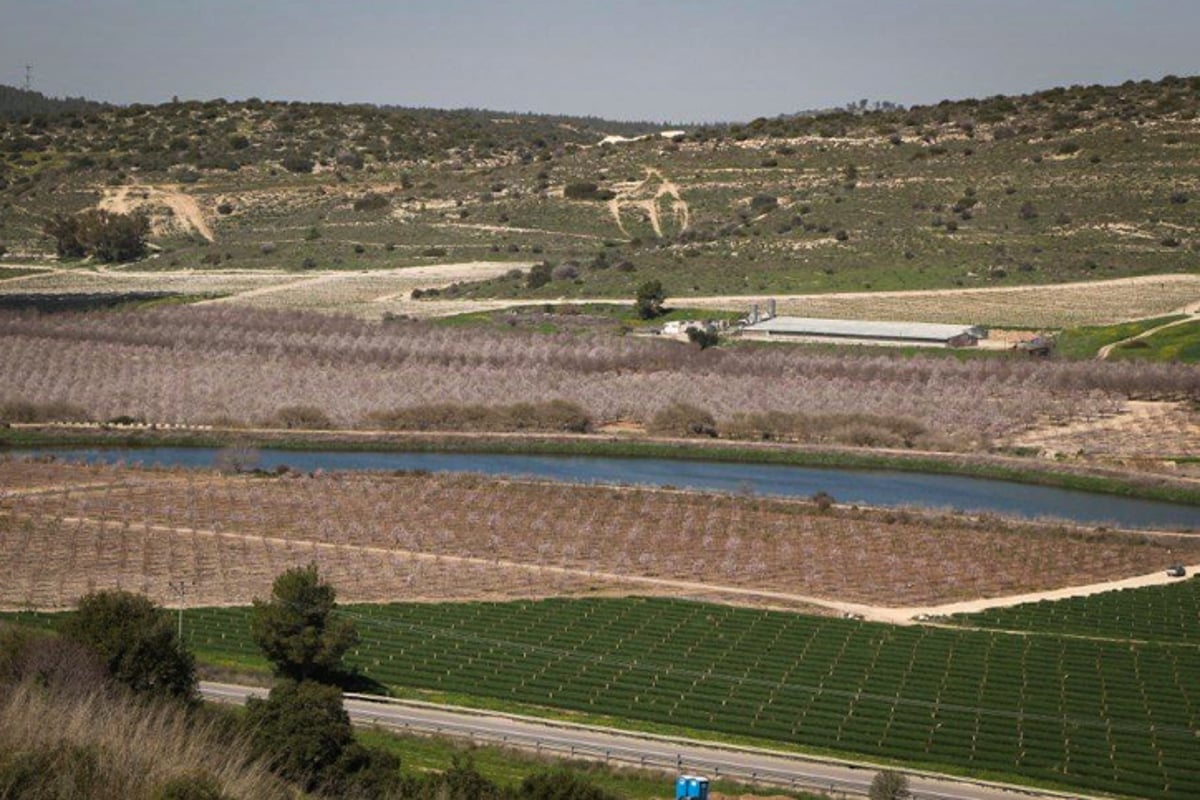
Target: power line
28, 77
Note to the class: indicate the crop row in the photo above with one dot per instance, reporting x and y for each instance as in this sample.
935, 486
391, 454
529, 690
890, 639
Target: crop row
1095, 715
1167, 614
228, 363
428, 524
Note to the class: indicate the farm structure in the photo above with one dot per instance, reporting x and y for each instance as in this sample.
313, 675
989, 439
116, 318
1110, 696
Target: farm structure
866, 332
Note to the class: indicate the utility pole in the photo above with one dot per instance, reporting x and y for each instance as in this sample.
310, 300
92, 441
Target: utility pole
181, 588
28, 77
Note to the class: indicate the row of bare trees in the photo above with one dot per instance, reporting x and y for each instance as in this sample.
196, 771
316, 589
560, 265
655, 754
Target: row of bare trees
432, 535
205, 365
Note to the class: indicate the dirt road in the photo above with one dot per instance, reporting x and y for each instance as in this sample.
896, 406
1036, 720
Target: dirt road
1192, 310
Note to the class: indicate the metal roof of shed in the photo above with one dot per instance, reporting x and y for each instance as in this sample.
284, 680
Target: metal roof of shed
807, 326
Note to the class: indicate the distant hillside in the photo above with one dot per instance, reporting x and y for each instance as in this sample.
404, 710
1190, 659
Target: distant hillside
1070, 183
222, 135
18, 104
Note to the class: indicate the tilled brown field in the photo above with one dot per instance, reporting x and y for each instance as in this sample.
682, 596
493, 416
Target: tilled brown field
415, 536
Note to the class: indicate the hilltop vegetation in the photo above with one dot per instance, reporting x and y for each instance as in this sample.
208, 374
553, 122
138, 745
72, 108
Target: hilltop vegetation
1066, 184
23, 104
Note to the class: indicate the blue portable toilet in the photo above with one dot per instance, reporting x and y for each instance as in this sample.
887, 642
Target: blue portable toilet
691, 787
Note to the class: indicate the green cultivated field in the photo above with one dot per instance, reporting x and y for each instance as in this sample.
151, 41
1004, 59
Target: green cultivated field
1177, 343
1089, 715
1166, 614
1086, 341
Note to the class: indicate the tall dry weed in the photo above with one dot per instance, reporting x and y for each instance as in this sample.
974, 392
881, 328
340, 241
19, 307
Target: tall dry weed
105, 746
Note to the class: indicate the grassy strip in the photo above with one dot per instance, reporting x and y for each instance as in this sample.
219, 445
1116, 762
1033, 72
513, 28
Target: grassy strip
1085, 342
1177, 343
987, 467
18, 272
509, 766
441, 757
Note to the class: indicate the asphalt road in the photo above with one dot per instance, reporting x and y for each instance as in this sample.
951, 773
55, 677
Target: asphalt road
652, 752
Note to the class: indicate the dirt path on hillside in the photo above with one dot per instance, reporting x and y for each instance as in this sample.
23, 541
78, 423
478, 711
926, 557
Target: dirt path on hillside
476, 226
1192, 310
124, 199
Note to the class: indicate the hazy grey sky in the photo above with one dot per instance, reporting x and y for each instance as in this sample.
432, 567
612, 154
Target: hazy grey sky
682, 60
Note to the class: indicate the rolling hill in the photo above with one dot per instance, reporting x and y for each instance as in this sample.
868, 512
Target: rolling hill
1066, 184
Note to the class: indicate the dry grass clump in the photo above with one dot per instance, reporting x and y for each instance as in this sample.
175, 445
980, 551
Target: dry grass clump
302, 417
105, 746
683, 419
863, 430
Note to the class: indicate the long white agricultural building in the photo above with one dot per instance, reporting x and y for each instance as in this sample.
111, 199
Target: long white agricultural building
852, 331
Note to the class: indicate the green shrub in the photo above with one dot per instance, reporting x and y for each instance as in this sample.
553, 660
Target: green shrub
683, 419
106, 235
300, 729
302, 417
649, 300
587, 191
297, 163
889, 785
763, 203
371, 201
136, 641
296, 629
704, 338
552, 415
560, 785
539, 275
565, 272
351, 159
